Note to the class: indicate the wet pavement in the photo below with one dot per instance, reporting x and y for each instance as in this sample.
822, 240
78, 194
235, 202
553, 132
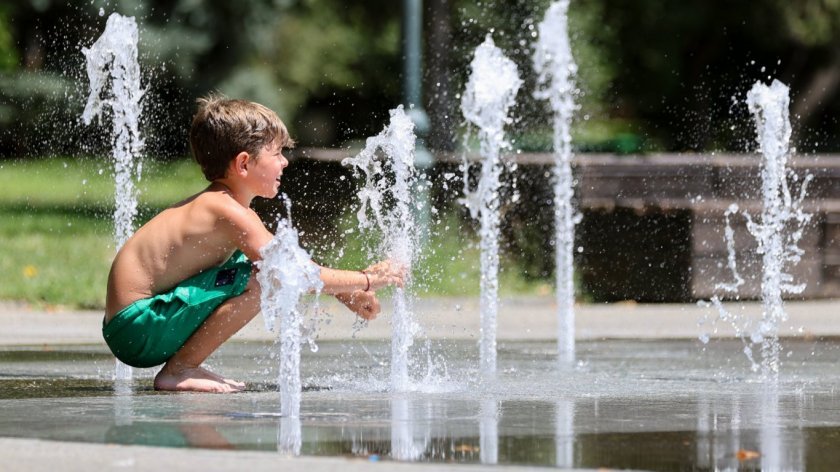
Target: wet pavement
520, 318
644, 394
656, 404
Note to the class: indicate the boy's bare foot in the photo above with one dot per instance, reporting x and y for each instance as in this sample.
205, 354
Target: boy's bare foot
194, 379
231, 382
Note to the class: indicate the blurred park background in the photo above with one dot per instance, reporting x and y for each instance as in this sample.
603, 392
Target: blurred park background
654, 76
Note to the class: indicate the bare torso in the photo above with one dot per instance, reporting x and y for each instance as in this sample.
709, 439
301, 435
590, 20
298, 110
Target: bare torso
176, 244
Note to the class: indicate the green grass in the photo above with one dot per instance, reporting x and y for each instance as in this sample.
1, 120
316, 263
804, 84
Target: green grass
88, 182
56, 230
57, 235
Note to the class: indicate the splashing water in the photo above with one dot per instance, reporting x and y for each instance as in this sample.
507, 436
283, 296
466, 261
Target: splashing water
488, 430
289, 437
779, 231
406, 444
112, 60
769, 106
490, 92
556, 70
286, 273
114, 75
389, 178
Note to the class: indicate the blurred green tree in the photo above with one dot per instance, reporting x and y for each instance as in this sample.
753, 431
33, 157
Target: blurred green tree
339, 66
814, 25
664, 73
683, 68
8, 51
187, 48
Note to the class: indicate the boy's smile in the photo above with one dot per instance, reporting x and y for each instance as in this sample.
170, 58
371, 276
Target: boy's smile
268, 169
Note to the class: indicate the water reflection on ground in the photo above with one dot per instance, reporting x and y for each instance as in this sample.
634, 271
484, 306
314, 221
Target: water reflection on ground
658, 405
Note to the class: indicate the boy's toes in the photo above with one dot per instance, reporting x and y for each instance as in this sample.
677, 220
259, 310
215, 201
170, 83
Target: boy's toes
224, 388
235, 384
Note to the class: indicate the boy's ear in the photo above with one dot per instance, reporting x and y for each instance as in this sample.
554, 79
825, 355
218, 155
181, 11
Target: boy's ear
240, 163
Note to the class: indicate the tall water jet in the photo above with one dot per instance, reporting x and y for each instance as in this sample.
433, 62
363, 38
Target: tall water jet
556, 71
769, 106
488, 434
406, 444
387, 162
286, 273
490, 92
778, 232
564, 433
114, 75
289, 435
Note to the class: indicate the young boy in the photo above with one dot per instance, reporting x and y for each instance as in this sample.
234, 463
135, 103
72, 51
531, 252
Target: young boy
183, 283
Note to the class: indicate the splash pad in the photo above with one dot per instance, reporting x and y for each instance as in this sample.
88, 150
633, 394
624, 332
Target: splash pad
665, 400
632, 403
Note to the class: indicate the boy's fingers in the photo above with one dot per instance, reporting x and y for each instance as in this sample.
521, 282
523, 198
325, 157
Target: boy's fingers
369, 311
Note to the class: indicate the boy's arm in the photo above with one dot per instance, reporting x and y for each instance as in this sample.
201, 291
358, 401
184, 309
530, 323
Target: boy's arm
245, 229
374, 277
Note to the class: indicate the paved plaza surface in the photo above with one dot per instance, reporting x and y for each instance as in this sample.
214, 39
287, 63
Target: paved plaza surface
51, 456
520, 319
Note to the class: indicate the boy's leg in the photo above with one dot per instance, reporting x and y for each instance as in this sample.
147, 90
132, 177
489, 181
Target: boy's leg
183, 370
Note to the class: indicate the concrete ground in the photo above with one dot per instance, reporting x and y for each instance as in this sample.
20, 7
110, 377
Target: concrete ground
520, 318
50, 456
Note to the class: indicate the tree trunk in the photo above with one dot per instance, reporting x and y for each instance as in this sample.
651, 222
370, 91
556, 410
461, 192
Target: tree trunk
439, 95
819, 90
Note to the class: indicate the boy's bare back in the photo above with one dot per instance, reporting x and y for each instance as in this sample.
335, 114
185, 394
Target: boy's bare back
183, 240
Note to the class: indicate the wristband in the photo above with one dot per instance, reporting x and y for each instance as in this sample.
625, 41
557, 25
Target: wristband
367, 279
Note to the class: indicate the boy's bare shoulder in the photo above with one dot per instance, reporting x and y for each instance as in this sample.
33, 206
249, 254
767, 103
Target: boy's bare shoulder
220, 204
234, 221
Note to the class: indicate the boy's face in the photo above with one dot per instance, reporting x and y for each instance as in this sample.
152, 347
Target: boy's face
267, 169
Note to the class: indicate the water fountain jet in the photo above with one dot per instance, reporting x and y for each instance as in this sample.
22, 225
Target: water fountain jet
490, 92
388, 200
769, 106
114, 75
556, 70
286, 274
778, 232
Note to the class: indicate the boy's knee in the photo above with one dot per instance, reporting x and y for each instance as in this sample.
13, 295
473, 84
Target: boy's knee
249, 299
253, 285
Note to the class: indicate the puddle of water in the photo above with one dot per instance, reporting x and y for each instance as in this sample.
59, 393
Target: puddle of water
656, 405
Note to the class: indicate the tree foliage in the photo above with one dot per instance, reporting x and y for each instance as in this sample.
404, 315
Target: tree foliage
683, 68
668, 73
8, 52
339, 66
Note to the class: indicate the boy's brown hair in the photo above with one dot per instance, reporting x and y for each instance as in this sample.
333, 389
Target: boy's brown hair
224, 127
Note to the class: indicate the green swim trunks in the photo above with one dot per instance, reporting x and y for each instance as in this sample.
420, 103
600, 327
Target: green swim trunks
149, 331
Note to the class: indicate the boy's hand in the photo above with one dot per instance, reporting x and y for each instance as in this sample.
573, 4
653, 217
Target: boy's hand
364, 304
386, 273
